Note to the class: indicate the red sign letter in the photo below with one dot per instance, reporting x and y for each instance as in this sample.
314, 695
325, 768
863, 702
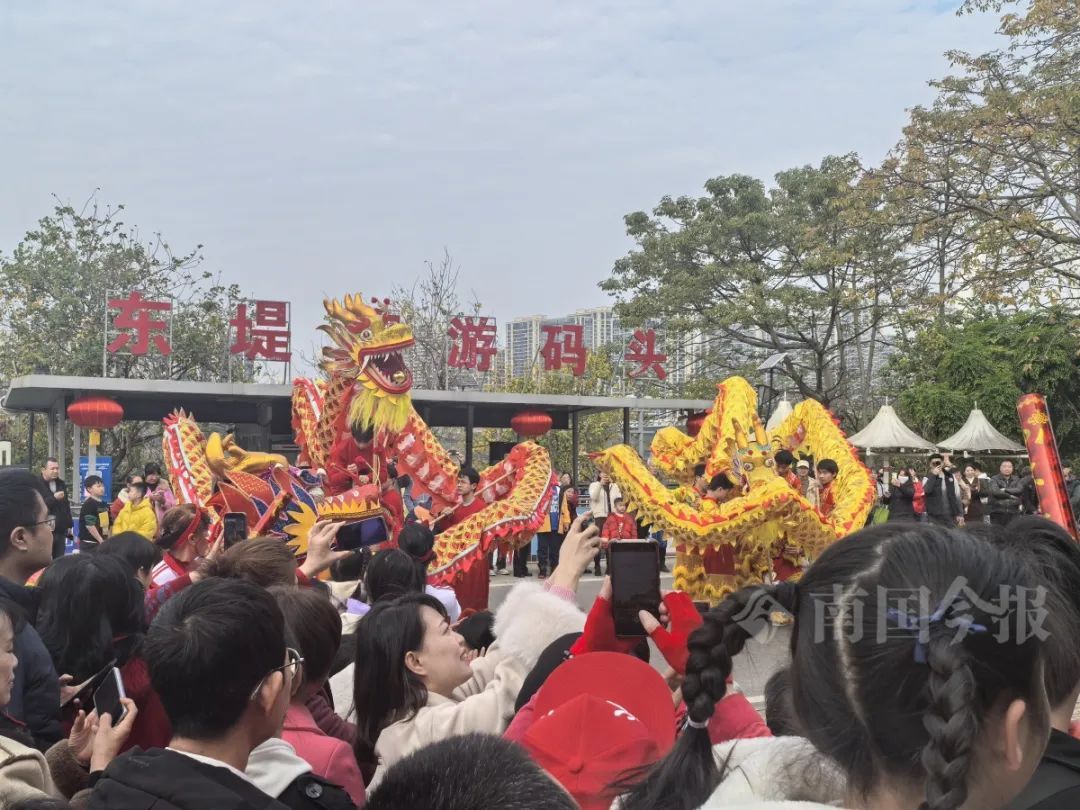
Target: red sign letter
474, 343
135, 315
564, 345
642, 350
267, 336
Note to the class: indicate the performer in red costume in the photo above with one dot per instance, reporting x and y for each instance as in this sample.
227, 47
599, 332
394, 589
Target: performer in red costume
785, 564
352, 460
720, 560
473, 586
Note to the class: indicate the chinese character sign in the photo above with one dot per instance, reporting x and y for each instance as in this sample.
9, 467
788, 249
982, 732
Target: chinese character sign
265, 333
473, 342
642, 351
564, 346
139, 326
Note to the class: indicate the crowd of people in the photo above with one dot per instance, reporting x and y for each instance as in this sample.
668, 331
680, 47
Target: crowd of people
918, 676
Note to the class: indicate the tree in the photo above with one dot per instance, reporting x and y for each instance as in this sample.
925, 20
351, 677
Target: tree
427, 307
1010, 121
809, 268
991, 360
54, 287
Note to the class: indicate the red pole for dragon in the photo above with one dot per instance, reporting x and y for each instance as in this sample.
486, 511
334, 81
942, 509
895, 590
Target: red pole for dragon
1045, 461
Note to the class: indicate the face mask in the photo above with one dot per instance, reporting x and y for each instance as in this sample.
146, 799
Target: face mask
903, 479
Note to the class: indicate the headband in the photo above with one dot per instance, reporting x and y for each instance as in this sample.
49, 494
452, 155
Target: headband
194, 526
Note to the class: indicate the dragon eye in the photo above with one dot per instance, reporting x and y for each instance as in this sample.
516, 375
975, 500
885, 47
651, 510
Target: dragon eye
769, 462
367, 334
748, 466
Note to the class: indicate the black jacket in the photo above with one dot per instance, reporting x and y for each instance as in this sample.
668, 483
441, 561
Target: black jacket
167, 780
902, 501
1056, 783
60, 508
1004, 494
942, 503
35, 695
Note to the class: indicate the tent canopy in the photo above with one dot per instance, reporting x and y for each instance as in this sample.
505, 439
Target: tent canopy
979, 436
782, 412
887, 432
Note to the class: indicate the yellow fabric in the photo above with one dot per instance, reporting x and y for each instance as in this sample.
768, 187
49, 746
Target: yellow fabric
138, 518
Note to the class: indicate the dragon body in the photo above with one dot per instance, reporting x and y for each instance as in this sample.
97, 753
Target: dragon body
768, 516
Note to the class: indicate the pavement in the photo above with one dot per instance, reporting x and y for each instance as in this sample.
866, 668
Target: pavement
760, 658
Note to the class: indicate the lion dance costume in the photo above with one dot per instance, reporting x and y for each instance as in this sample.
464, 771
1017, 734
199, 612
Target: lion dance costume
366, 389
769, 518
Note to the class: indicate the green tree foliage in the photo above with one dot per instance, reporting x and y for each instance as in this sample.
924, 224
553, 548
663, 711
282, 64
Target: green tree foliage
54, 287
992, 360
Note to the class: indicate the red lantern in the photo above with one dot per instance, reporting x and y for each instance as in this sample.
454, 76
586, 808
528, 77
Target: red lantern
694, 422
531, 424
96, 413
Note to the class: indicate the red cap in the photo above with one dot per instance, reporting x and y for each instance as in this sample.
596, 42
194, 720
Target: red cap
599, 715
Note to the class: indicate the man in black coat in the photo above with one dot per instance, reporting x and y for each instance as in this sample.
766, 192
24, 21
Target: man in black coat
59, 506
942, 501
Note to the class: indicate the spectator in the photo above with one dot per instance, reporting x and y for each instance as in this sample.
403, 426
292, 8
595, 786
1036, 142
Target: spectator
602, 495
942, 502
59, 505
83, 642
138, 513
547, 553
974, 482
1004, 490
619, 526
312, 623
157, 491
1029, 495
902, 496
418, 541
122, 496
470, 772
26, 544
218, 660
139, 553
910, 714
568, 504
185, 537
802, 469
93, 515
779, 711
262, 561
414, 681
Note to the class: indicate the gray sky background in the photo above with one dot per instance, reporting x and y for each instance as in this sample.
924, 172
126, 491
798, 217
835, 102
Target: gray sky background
321, 147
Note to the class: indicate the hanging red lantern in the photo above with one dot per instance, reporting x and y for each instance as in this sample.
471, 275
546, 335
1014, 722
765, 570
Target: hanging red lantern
694, 422
531, 424
96, 413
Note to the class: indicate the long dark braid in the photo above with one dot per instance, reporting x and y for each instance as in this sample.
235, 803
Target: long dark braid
952, 721
688, 775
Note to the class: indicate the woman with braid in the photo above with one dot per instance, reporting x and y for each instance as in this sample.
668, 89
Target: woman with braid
915, 676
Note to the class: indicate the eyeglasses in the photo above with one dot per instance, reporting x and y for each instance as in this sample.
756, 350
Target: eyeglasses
50, 520
293, 664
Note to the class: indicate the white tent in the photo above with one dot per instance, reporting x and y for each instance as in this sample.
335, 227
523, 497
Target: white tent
979, 436
782, 412
887, 432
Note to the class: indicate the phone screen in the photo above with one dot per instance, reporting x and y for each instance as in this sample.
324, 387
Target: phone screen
107, 696
635, 584
235, 528
85, 689
361, 533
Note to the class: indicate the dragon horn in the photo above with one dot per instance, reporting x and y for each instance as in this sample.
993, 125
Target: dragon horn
760, 436
739, 435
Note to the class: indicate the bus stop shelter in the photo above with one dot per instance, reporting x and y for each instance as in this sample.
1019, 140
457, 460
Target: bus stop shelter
262, 413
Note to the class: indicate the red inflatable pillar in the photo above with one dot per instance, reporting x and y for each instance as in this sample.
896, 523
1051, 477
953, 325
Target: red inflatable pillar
1045, 461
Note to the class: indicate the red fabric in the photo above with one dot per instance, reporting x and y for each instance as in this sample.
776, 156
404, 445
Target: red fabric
827, 501
735, 719
395, 511
473, 587
793, 480
619, 527
918, 502
462, 513
345, 452
719, 560
784, 570
1074, 729
328, 720
599, 635
114, 508
330, 758
157, 597
152, 728
522, 721
683, 619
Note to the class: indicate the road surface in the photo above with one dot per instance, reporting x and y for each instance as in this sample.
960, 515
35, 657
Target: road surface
760, 659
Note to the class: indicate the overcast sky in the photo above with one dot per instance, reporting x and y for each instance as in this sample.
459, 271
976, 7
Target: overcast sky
319, 147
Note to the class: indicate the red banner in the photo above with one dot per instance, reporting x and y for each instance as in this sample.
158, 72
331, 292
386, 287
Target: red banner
1045, 461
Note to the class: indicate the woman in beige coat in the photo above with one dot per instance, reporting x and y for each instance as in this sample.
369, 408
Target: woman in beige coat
417, 682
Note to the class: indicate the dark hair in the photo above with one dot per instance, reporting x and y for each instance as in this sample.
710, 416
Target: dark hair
152, 468
417, 540
39, 803
404, 481
129, 479
87, 602
93, 481
699, 470
385, 690
262, 561
974, 465
208, 649
1053, 558
140, 487
862, 697
779, 712
175, 522
52, 460
18, 507
134, 549
393, 572
784, 457
470, 772
471, 474
720, 481
477, 630
828, 465
936, 457
351, 568
313, 626
362, 435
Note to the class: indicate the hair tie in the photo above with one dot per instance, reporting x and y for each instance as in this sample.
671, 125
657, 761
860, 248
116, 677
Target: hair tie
692, 723
922, 624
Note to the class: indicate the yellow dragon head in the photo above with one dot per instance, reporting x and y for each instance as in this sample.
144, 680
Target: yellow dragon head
369, 344
752, 457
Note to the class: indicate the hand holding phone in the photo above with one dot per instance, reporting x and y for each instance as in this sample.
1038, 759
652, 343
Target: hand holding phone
108, 696
235, 528
635, 585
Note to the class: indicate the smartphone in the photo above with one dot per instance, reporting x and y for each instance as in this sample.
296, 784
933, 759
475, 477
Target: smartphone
361, 533
84, 690
235, 528
107, 696
635, 584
